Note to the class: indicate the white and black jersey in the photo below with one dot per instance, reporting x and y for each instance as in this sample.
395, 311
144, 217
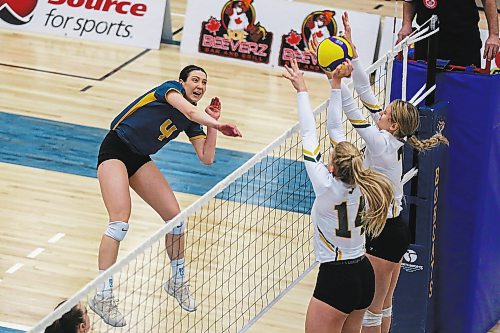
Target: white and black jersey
384, 152
338, 233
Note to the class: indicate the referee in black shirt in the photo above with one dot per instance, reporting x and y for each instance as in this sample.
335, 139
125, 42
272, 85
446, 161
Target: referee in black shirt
459, 38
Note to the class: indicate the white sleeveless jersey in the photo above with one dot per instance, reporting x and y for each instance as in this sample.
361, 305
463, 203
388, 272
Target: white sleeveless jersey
338, 234
384, 152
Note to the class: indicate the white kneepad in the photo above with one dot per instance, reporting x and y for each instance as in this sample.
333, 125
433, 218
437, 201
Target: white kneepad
387, 312
372, 319
178, 230
117, 230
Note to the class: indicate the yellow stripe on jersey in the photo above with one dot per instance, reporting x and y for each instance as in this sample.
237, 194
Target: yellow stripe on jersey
201, 136
358, 121
372, 107
326, 242
308, 153
394, 208
143, 101
333, 142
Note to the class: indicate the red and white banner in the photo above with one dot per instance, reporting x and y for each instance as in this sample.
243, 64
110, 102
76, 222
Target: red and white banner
130, 22
270, 32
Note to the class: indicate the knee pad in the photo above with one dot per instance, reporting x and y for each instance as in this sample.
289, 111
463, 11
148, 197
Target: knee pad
178, 230
372, 319
387, 312
117, 230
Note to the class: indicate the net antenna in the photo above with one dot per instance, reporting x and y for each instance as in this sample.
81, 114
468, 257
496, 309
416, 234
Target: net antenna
427, 30
430, 85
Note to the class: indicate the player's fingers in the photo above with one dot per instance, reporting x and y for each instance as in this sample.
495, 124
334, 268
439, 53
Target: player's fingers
289, 70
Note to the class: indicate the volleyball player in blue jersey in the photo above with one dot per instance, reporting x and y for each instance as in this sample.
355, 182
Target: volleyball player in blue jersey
346, 282
141, 129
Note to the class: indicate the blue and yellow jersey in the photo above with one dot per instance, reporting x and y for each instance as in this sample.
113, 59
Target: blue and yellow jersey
149, 122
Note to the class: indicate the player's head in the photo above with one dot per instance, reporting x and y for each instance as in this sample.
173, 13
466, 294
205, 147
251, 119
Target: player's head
347, 163
402, 120
194, 80
75, 320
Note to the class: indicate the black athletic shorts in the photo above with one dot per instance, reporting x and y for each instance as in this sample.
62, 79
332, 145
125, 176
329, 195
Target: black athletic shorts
346, 286
112, 147
392, 243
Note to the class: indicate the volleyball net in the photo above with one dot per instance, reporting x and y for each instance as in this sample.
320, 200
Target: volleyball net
248, 241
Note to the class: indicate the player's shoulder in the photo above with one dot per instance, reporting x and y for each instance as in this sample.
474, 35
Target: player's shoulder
171, 84
338, 189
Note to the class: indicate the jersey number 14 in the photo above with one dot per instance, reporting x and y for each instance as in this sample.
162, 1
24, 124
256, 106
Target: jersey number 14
343, 229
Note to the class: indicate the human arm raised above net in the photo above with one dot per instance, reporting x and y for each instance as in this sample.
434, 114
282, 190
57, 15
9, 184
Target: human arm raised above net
334, 113
364, 90
318, 173
372, 136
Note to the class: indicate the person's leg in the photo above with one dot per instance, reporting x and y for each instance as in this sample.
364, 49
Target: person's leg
322, 317
354, 322
387, 308
113, 180
383, 272
153, 188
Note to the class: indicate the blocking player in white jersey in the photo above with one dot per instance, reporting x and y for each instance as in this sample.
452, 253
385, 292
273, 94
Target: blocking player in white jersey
345, 285
384, 149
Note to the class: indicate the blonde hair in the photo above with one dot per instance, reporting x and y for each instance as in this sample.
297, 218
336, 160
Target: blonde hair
375, 187
407, 117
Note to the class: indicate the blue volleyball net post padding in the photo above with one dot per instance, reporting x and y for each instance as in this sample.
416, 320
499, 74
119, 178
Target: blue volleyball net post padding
449, 275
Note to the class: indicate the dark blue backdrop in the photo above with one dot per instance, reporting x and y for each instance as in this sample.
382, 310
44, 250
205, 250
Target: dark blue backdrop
467, 267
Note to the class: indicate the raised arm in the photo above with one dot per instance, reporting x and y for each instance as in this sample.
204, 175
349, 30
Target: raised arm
359, 77
178, 101
316, 170
334, 116
364, 90
205, 148
370, 133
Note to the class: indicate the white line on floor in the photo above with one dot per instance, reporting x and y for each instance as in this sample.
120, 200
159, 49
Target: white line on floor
56, 237
14, 268
35, 252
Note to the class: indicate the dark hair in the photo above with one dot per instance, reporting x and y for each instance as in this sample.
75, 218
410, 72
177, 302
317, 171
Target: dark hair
183, 75
69, 321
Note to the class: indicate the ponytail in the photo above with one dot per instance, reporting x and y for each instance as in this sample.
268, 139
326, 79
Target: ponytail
378, 194
374, 186
433, 141
407, 117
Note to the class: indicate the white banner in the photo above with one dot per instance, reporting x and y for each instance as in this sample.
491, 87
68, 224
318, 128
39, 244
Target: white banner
270, 32
130, 22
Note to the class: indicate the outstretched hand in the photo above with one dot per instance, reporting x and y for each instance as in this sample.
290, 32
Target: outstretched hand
348, 33
341, 71
229, 130
213, 110
295, 76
